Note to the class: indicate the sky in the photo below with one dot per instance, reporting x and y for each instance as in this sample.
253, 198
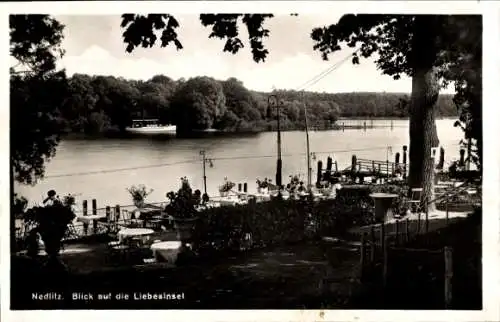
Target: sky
94, 46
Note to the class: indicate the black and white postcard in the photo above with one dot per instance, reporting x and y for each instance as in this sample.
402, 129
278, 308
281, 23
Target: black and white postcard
323, 156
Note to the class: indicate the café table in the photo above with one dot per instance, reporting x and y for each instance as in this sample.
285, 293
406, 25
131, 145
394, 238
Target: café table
383, 202
91, 218
127, 233
166, 251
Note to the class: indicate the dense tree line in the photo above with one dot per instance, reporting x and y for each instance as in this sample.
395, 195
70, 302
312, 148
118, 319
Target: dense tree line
96, 104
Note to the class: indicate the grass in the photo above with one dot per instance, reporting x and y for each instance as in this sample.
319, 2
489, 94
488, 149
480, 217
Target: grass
282, 277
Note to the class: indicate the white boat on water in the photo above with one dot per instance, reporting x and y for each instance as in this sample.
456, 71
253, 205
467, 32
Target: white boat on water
150, 126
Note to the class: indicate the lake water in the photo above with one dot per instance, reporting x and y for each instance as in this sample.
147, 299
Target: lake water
87, 167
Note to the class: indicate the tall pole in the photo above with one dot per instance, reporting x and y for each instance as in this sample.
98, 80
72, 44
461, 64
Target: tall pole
273, 102
309, 170
202, 152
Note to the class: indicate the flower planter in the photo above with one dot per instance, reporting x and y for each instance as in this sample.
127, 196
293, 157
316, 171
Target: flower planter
184, 227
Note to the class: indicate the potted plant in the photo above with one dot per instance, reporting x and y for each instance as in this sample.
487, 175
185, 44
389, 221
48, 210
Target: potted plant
51, 225
263, 185
182, 207
19, 206
226, 187
139, 194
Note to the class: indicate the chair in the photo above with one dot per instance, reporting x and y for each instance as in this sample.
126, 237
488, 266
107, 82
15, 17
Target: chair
126, 218
71, 232
416, 199
117, 249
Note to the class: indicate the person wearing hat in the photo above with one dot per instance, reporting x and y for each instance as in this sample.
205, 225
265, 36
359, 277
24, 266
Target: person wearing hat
51, 199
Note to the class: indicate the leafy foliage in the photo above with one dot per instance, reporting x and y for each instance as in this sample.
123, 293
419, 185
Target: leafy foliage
264, 183
197, 104
139, 193
140, 31
466, 72
183, 203
35, 42
37, 92
19, 205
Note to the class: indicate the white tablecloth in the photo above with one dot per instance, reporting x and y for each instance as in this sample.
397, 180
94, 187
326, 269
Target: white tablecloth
133, 232
88, 219
167, 250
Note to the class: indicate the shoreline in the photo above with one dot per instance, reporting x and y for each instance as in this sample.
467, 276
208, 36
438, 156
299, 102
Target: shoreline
338, 126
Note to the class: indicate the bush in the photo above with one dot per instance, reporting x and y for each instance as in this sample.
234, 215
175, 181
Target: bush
275, 222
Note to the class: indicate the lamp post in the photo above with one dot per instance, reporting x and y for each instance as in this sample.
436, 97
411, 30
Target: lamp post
272, 101
204, 162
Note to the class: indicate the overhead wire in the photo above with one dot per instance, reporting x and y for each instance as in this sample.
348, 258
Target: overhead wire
192, 161
325, 73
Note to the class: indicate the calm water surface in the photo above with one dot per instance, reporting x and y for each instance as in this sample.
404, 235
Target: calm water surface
242, 158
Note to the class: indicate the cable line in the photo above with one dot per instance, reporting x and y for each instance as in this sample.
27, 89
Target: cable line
121, 169
325, 73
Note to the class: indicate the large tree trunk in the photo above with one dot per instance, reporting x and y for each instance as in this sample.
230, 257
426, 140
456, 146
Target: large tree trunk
425, 92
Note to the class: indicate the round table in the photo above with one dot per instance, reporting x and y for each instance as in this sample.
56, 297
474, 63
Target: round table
383, 203
133, 232
166, 251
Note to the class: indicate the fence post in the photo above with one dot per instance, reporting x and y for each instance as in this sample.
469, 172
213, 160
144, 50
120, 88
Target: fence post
117, 212
426, 220
372, 252
319, 175
418, 222
382, 235
108, 213
85, 213
94, 207
329, 164
448, 271
397, 232
362, 251
336, 167
447, 213
407, 230
385, 261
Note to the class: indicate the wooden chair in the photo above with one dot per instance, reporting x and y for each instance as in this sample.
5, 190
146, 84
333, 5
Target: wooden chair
416, 199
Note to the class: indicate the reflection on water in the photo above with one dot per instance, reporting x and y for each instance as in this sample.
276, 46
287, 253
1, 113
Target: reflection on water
239, 157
